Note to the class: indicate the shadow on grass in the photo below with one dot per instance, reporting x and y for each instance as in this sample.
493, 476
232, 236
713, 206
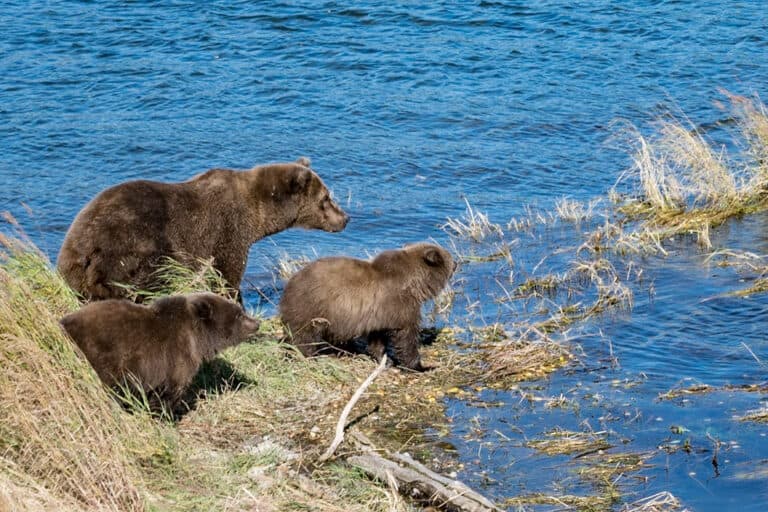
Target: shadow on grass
214, 377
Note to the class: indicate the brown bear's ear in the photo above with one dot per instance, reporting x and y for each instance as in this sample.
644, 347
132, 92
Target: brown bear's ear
300, 180
433, 257
304, 160
201, 307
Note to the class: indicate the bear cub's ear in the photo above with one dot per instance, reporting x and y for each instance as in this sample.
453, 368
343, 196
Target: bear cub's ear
304, 160
433, 258
202, 307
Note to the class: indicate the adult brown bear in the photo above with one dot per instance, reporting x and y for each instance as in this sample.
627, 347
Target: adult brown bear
126, 231
331, 301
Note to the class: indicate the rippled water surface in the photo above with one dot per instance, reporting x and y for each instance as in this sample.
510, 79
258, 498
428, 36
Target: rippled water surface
406, 110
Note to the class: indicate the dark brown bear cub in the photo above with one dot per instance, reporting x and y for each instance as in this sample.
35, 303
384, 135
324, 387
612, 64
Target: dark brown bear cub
333, 300
159, 347
126, 231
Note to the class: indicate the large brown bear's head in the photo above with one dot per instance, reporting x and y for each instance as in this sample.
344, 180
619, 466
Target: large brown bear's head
299, 193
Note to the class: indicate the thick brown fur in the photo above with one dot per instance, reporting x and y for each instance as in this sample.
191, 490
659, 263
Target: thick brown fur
334, 300
125, 232
159, 347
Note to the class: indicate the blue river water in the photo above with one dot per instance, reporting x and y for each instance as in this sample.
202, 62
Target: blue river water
407, 109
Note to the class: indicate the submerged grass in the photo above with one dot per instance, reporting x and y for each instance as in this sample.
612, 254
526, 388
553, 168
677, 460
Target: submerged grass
756, 416
564, 442
753, 266
566, 501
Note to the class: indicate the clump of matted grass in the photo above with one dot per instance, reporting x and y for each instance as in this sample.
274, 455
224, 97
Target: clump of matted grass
568, 501
696, 389
663, 501
531, 355
603, 469
596, 466
59, 427
566, 442
756, 416
680, 184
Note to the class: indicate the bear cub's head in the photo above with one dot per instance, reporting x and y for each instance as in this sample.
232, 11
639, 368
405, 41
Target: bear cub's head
436, 263
223, 322
428, 267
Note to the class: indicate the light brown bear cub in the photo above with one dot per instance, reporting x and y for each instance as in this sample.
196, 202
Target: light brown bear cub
331, 301
161, 346
125, 232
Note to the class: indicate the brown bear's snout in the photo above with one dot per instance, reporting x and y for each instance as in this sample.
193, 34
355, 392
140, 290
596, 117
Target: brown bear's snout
339, 220
344, 220
250, 325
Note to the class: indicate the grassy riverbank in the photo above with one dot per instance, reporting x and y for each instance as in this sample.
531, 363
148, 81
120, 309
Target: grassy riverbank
259, 416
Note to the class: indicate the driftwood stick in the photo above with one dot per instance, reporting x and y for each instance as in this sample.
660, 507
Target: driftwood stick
416, 480
345, 413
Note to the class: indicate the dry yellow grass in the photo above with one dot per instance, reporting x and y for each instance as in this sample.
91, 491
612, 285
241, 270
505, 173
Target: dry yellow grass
21, 493
60, 428
563, 442
663, 501
757, 416
66, 443
680, 184
473, 225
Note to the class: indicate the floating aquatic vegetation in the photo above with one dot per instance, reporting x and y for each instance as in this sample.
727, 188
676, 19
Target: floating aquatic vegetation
757, 415
753, 266
663, 501
565, 442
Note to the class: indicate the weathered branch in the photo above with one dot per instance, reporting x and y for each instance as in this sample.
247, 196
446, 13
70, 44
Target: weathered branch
345, 413
416, 480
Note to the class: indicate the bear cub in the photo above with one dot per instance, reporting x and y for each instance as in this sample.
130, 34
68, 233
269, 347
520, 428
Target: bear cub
126, 231
158, 347
333, 300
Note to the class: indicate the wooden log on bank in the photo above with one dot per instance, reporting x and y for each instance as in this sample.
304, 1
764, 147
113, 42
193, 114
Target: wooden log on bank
415, 480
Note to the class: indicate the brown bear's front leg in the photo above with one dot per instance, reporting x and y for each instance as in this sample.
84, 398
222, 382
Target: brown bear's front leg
311, 338
377, 344
406, 345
